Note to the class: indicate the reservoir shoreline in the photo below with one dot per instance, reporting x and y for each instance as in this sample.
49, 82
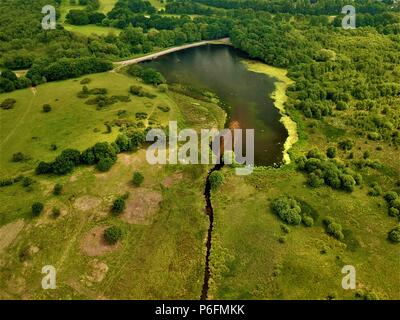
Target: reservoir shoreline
279, 96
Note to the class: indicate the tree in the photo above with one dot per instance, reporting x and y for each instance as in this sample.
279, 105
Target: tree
331, 152
112, 235
37, 208
57, 189
118, 206
346, 144
335, 229
8, 103
104, 164
46, 108
216, 180
348, 182
18, 157
138, 179
152, 76
287, 209
394, 234
44, 168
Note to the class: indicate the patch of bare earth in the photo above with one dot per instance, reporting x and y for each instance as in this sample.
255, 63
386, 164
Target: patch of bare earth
142, 206
86, 203
93, 243
9, 232
171, 180
98, 272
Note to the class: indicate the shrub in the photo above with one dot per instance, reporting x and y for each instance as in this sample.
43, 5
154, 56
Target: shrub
46, 108
346, 144
118, 205
8, 103
18, 157
341, 105
26, 181
85, 81
57, 189
287, 209
375, 190
394, 234
331, 152
394, 212
315, 181
308, 221
43, 168
390, 196
348, 182
104, 164
141, 115
216, 180
333, 229
56, 212
112, 235
37, 208
138, 179
285, 228
164, 108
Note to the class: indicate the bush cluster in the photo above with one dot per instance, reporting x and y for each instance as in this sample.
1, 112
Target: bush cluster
327, 171
102, 154
333, 228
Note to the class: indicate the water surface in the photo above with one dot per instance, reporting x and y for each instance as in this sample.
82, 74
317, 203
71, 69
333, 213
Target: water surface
217, 68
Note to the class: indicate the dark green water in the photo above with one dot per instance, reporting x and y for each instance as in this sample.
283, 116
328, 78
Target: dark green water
217, 68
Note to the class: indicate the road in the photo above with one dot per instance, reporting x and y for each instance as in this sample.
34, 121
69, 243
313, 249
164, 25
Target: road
153, 56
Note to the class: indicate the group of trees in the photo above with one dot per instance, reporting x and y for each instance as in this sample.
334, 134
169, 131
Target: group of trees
102, 154
148, 75
291, 212
333, 228
66, 68
309, 7
328, 171
10, 82
393, 200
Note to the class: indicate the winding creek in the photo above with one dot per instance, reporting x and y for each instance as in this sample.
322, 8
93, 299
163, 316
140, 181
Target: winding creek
219, 69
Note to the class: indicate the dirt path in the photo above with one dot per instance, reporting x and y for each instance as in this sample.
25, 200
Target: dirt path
153, 56
20, 120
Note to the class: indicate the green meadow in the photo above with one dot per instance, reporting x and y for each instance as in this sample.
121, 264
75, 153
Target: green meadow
162, 251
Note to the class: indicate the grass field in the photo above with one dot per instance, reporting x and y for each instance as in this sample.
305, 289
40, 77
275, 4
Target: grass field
105, 7
161, 254
249, 262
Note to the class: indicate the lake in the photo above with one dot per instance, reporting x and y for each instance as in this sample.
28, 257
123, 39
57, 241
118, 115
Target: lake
218, 68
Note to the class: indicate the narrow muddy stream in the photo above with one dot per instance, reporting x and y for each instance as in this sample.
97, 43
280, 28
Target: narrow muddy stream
218, 68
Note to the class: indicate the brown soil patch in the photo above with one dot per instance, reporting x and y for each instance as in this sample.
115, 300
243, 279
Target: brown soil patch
9, 232
99, 271
171, 180
86, 203
142, 206
93, 243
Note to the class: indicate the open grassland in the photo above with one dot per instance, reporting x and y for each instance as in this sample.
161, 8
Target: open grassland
92, 28
162, 251
71, 123
158, 4
249, 262
105, 7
